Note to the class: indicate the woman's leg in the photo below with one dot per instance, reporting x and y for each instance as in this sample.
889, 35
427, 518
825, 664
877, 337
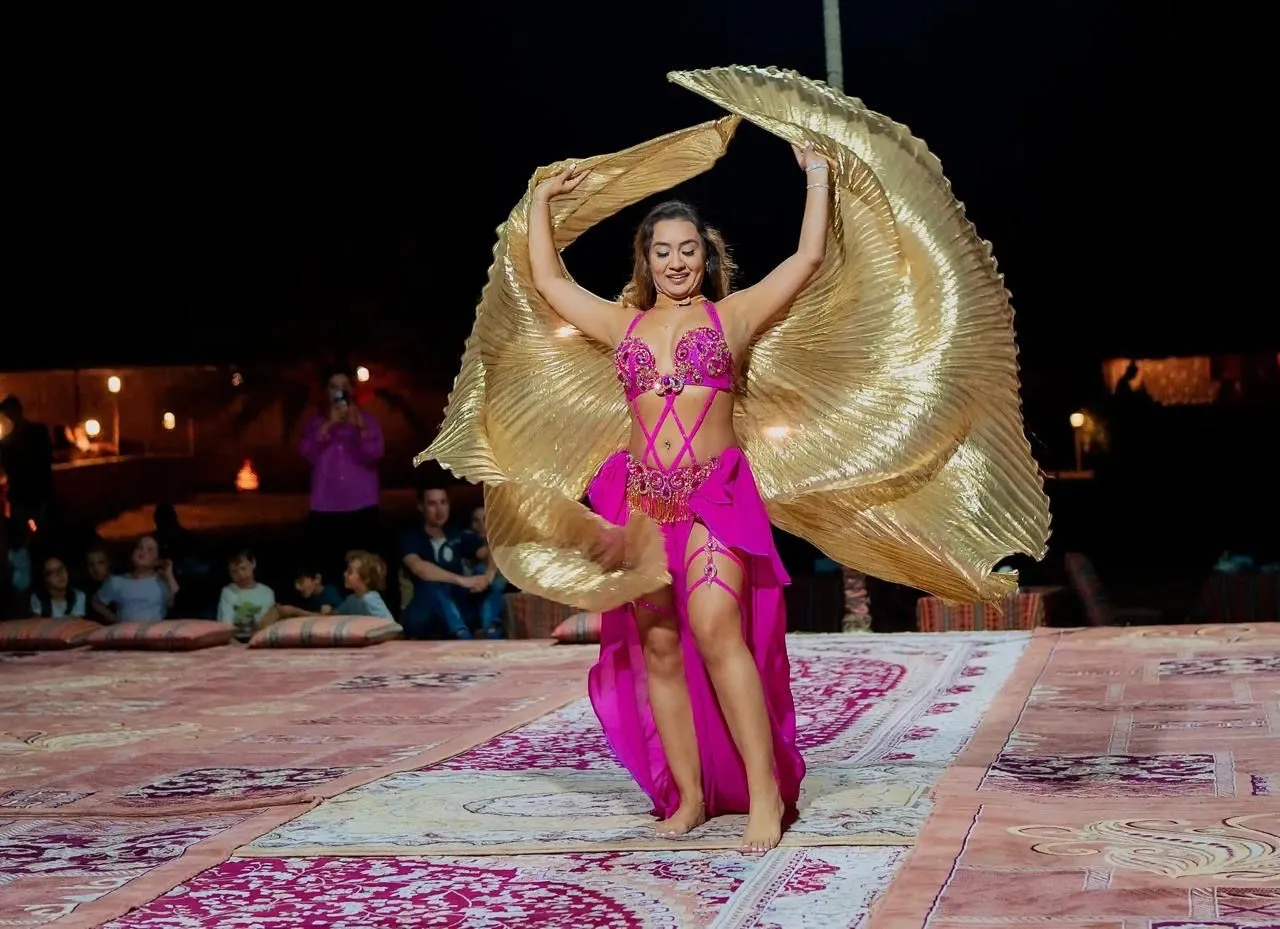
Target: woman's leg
672, 708
715, 580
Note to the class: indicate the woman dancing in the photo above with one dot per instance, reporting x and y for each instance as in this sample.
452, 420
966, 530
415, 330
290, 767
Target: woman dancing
675, 335
877, 416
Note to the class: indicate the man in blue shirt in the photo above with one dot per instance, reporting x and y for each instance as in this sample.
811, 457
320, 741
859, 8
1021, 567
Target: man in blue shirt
445, 595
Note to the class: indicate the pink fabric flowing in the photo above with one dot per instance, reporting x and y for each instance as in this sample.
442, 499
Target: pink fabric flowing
729, 505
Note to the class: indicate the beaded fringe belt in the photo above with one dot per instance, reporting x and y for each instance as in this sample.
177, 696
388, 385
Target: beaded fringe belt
663, 495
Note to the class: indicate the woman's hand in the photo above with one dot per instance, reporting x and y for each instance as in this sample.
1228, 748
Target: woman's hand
810, 161
610, 549
562, 183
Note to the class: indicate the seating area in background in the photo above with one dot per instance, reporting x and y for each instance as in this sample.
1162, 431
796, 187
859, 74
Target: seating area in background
825, 602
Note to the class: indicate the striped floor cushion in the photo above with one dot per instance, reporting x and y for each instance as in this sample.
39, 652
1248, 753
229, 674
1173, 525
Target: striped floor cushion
163, 635
531, 617
326, 632
1023, 610
578, 629
42, 635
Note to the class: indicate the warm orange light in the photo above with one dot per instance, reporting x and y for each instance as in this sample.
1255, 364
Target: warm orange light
31, 524
170, 421
92, 428
1077, 420
246, 477
113, 384
362, 374
237, 379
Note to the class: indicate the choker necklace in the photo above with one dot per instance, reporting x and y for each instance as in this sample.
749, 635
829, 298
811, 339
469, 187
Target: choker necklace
687, 301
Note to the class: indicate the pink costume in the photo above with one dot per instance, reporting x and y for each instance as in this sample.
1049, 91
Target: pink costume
720, 493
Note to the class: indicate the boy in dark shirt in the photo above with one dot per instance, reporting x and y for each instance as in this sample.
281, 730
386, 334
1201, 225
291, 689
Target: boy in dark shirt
315, 597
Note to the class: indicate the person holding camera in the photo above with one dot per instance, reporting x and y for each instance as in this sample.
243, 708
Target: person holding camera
343, 447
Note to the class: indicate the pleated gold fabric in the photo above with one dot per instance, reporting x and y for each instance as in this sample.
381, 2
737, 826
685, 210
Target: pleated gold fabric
880, 414
537, 407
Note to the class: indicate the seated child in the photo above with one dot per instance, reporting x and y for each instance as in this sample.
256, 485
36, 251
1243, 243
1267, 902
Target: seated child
366, 575
145, 593
54, 597
245, 603
315, 597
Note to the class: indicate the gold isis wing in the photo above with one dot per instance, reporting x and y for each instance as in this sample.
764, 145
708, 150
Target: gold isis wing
880, 413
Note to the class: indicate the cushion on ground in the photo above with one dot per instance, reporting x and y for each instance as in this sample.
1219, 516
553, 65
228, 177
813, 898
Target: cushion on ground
326, 632
41, 635
163, 635
528, 616
578, 629
1019, 610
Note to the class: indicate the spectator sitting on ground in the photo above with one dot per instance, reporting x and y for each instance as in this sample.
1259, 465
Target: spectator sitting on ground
146, 592
97, 568
54, 597
434, 556
366, 576
246, 604
315, 597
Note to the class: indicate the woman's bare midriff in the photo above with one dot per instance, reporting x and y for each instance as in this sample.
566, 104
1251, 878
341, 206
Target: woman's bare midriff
714, 436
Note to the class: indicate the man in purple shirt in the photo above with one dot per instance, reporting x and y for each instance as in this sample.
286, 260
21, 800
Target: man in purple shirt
343, 447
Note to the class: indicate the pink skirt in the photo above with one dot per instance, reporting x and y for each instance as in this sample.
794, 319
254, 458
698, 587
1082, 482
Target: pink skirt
727, 502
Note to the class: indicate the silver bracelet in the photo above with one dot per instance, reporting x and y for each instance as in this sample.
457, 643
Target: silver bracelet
817, 187
818, 167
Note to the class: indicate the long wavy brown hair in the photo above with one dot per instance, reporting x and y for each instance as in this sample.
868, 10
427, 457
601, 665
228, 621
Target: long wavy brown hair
640, 293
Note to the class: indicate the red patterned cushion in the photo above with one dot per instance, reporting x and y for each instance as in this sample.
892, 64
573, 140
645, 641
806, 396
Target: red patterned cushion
39, 635
1024, 610
163, 635
1240, 598
531, 617
326, 632
578, 629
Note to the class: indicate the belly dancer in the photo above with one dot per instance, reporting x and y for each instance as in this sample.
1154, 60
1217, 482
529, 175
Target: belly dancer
873, 423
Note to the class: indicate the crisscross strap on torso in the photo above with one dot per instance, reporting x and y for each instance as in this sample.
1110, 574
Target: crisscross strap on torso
701, 359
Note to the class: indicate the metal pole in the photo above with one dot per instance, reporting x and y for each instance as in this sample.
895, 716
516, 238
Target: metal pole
835, 52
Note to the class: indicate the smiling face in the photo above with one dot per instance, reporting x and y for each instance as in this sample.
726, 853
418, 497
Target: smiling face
146, 554
677, 258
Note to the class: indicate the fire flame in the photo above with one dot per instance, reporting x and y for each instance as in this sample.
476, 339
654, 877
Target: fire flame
246, 477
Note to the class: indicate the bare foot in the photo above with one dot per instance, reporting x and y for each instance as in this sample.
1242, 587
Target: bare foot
689, 816
764, 826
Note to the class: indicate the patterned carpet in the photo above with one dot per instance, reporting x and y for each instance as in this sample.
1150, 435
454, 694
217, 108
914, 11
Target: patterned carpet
878, 713
124, 773
1107, 779
880, 720
1124, 779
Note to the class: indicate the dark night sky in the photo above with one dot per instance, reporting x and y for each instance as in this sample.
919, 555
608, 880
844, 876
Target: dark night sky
232, 193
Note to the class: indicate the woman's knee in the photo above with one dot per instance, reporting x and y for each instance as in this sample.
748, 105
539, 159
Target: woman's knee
716, 625
661, 643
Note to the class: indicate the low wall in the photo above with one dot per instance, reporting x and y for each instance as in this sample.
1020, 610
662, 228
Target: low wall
93, 490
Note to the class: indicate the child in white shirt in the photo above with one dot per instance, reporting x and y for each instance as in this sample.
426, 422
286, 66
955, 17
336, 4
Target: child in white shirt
245, 603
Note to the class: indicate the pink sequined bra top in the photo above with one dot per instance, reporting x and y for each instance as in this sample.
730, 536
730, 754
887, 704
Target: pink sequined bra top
701, 359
